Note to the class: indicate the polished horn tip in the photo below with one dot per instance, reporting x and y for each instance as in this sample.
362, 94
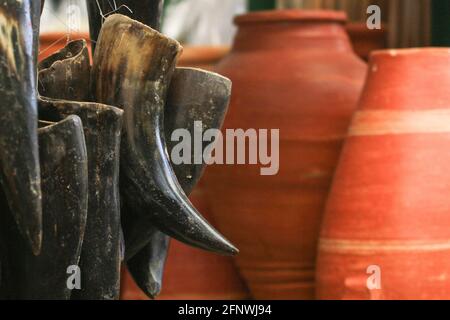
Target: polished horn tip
224, 247
232, 250
153, 290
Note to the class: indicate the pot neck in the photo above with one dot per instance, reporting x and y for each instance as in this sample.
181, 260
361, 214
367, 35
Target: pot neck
324, 36
411, 79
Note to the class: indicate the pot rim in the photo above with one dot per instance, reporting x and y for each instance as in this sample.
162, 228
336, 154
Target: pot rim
407, 52
291, 15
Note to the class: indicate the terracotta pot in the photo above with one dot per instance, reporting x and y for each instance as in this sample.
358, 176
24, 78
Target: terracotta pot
389, 208
193, 274
50, 43
365, 40
206, 57
293, 70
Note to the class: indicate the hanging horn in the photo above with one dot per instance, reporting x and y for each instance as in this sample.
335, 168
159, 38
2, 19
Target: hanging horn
147, 267
65, 194
194, 96
148, 12
66, 74
133, 66
19, 157
100, 257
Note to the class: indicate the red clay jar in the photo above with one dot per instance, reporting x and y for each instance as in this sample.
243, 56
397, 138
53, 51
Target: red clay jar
366, 40
295, 71
192, 274
387, 225
203, 57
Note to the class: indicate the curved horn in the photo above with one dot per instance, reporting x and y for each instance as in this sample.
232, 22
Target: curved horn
36, 7
194, 95
19, 157
101, 246
65, 193
66, 74
147, 267
133, 66
148, 12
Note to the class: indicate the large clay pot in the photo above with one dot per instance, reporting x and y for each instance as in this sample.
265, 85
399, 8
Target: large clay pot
204, 57
366, 40
296, 71
63, 160
387, 219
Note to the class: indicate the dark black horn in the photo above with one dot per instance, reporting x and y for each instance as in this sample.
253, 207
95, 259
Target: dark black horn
19, 157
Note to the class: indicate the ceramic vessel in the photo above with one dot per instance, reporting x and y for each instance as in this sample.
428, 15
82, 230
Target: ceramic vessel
203, 57
135, 75
19, 157
63, 160
194, 96
366, 40
295, 71
385, 233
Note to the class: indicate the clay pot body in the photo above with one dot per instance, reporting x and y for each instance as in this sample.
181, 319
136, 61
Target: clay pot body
19, 156
63, 160
386, 222
294, 71
365, 40
203, 57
